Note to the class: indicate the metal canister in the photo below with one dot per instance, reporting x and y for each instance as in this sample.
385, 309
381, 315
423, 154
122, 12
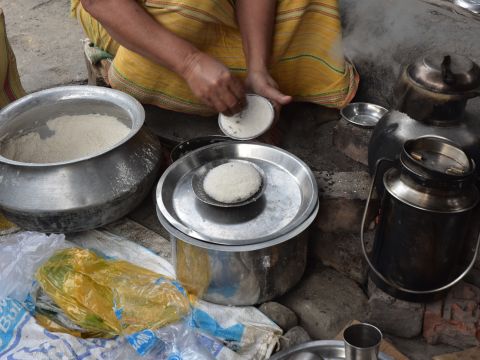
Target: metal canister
426, 229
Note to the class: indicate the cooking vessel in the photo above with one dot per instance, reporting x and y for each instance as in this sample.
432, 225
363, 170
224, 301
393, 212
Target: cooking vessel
243, 255
83, 193
318, 350
240, 275
426, 239
431, 97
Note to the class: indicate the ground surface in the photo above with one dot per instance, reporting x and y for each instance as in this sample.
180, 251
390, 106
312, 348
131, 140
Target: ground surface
47, 43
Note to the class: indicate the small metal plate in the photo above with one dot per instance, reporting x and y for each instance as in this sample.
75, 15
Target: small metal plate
318, 350
363, 114
199, 177
249, 112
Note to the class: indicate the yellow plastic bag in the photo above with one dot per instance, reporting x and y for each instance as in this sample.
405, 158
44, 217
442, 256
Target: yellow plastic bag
111, 297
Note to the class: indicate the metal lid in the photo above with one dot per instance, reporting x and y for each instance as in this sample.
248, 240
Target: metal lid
289, 198
444, 73
472, 5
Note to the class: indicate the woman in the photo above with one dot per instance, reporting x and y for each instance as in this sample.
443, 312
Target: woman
10, 86
202, 57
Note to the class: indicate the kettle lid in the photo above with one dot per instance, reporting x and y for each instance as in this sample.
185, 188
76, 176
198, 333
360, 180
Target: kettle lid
445, 73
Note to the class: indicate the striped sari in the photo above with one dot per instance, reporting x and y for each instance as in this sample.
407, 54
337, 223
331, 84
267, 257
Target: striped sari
307, 62
10, 86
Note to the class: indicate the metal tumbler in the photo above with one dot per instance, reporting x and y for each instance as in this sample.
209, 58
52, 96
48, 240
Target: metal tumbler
362, 342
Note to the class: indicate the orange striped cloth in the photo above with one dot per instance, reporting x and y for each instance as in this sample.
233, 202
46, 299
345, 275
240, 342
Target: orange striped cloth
307, 62
10, 86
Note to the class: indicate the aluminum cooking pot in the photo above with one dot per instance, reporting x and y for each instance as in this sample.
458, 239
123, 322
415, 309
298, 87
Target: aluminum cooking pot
84, 193
240, 275
241, 255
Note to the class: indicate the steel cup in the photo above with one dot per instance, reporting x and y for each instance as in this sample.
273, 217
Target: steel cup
362, 342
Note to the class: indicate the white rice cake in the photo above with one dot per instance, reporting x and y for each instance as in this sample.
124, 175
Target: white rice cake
232, 182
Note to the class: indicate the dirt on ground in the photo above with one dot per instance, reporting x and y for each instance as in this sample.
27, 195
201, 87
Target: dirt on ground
46, 41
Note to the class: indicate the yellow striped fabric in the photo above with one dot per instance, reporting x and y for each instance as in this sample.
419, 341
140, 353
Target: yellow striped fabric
308, 61
10, 86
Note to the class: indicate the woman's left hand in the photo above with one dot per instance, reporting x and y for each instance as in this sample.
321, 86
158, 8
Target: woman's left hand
261, 83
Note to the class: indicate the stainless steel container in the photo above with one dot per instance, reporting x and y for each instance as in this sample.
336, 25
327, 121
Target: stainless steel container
84, 193
244, 255
431, 97
426, 240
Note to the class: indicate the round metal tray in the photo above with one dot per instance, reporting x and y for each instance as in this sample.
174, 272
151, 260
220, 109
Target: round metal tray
318, 350
363, 114
289, 198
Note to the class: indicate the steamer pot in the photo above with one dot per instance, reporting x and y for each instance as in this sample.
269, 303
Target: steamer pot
84, 193
247, 255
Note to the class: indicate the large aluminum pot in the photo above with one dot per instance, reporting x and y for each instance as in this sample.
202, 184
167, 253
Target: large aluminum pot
84, 193
243, 255
240, 275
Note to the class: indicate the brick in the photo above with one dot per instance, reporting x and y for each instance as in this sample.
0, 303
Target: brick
341, 251
393, 316
343, 197
325, 301
456, 319
352, 140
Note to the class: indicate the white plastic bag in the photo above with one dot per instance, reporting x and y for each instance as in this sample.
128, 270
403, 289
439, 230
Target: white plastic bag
22, 253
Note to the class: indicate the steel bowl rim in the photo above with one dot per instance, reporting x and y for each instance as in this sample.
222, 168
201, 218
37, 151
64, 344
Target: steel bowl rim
172, 230
173, 222
356, 104
311, 345
77, 90
220, 116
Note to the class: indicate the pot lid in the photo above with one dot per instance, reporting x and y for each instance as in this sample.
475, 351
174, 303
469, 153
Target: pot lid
289, 198
444, 73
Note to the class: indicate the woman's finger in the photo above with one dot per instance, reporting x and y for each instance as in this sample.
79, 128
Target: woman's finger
237, 87
275, 95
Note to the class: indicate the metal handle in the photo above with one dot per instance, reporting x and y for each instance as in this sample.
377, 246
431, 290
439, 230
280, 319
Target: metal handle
374, 269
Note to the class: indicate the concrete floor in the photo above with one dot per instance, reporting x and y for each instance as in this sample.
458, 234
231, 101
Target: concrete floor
46, 42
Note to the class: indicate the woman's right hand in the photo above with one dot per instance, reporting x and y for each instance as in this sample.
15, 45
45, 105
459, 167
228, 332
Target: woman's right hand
214, 84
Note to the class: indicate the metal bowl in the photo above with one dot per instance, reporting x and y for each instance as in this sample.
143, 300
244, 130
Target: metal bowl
363, 114
318, 350
83, 193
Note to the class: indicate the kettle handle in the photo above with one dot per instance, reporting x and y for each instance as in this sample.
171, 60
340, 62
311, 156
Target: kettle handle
374, 269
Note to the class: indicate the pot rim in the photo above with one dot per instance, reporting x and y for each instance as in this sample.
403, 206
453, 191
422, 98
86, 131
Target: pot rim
74, 92
237, 248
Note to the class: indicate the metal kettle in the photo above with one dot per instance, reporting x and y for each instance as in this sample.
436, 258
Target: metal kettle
431, 98
427, 236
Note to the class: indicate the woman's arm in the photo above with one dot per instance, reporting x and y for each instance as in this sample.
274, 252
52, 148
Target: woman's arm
131, 26
256, 20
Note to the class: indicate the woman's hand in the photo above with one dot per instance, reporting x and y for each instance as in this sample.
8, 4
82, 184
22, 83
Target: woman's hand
261, 83
213, 83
